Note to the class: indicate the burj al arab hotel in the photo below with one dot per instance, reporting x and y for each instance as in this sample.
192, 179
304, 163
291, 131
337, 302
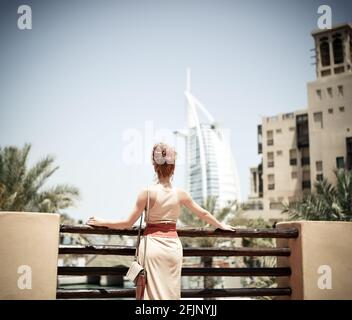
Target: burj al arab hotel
210, 166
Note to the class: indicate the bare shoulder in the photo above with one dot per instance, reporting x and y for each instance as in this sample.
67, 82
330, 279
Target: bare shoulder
181, 191
143, 192
183, 195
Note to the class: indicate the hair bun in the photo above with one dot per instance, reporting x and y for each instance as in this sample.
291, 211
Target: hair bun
163, 159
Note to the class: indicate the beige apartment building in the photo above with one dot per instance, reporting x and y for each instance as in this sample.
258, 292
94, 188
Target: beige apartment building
301, 147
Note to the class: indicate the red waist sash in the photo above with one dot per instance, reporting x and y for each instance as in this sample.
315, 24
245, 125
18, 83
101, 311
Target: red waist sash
161, 230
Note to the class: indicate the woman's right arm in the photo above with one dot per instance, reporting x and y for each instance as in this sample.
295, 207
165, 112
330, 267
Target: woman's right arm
125, 223
189, 203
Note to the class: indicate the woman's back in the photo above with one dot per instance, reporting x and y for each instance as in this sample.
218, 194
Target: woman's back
164, 204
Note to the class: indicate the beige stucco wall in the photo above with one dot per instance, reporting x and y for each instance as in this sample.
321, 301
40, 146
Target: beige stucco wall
284, 131
322, 246
28, 250
329, 142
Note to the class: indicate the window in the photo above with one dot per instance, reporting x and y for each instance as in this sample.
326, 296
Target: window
306, 179
340, 163
342, 109
292, 128
340, 90
279, 153
325, 54
318, 93
318, 119
293, 157
319, 165
337, 49
320, 177
325, 73
278, 131
302, 130
339, 70
331, 110
306, 184
272, 119
294, 175
260, 139
271, 182
270, 138
288, 116
305, 160
270, 159
254, 180
349, 153
329, 91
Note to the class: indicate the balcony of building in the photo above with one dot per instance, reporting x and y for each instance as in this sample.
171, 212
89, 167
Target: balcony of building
309, 256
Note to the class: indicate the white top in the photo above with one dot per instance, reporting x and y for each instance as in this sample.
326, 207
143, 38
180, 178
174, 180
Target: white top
167, 205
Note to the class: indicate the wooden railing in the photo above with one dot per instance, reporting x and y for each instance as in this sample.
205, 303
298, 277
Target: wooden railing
187, 252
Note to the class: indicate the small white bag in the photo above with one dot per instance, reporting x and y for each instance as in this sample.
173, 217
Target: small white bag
134, 271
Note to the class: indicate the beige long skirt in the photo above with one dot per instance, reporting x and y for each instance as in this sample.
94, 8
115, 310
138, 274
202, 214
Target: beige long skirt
163, 264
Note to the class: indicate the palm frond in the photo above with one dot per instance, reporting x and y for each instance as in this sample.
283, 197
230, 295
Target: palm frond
328, 202
22, 189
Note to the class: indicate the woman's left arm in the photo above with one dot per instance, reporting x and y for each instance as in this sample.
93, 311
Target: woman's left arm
126, 223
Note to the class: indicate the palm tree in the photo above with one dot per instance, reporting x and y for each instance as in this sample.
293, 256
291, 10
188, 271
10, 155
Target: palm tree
206, 242
328, 202
22, 188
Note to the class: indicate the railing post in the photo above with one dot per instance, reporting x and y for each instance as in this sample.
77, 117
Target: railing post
320, 260
294, 261
28, 255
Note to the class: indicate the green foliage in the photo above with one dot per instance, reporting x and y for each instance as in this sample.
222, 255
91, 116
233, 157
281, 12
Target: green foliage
328, 202
22, 188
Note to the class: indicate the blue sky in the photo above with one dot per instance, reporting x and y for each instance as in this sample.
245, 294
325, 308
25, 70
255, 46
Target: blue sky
91, 73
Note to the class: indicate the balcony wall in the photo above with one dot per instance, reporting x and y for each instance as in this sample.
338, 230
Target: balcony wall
314, 258
28, 255
321, 260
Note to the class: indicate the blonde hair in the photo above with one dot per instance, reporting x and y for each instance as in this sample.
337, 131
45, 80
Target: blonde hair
163, 159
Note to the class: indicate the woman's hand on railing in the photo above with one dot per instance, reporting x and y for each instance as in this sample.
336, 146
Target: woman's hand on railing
119, 224
224, 226
95, 222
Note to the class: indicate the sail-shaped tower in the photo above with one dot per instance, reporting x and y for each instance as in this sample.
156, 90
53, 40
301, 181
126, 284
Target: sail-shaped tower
210, 165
